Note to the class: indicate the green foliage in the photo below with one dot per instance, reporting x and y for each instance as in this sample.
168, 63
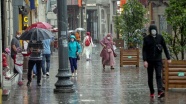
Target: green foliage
130, 21
176, 17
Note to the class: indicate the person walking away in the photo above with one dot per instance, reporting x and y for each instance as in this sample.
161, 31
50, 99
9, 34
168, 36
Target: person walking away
35, 50
74, 49
18, 62
153, 45
77, 35
14, 45
87, 46
5, 65
46, 57
107, 52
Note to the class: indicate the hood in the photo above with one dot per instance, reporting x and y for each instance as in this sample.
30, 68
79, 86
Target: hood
88, 33
72, 36
152, 27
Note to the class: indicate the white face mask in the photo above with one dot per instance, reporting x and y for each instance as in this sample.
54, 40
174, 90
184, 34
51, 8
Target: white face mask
72, 39
18, 36
108, 38
153, 32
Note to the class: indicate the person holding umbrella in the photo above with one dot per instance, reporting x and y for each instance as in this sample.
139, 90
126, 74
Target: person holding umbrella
35, 47
35, 50
77, 35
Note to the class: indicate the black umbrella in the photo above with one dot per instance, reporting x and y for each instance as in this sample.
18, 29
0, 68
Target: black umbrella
36, 34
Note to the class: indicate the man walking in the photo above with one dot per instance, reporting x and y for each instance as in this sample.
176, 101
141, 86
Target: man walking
14, 45
46, 57
153, 45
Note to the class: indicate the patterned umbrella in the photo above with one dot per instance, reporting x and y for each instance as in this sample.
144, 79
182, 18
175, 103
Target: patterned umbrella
36, 34
43, 25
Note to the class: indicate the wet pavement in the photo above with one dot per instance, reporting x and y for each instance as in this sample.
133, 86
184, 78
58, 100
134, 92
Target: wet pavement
93, 85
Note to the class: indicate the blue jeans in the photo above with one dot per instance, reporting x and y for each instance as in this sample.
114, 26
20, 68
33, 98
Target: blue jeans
35, 69
46, 57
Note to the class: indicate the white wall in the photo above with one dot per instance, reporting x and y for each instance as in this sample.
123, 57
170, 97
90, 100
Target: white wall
41, 12
9, 22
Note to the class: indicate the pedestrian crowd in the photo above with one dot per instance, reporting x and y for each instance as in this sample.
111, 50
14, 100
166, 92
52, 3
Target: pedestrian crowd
39, 53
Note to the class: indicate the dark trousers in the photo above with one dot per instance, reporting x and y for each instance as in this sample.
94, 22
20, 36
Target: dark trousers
157, 66
73, 64
31, 64
15, 71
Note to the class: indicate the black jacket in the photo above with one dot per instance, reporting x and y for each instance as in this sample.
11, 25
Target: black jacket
153, 47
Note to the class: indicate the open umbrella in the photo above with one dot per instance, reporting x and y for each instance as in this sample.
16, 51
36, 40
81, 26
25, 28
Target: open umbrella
43, 25
36, 34
79, 29
54, 30
71, 31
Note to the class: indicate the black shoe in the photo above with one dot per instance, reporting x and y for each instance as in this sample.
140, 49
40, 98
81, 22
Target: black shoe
161, 94
38, 84
22, 78
28, 83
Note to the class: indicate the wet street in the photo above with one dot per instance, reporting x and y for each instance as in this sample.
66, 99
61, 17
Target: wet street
93, 85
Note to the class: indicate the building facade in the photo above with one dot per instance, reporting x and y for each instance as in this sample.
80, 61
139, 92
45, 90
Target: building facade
157, 14
17, 15
96, 16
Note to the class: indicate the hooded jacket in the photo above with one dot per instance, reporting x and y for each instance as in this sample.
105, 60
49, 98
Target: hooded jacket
153, 46
73, 47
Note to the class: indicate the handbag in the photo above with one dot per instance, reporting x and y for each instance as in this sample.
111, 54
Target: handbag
115, 55
109, 50
114, 47
78, 58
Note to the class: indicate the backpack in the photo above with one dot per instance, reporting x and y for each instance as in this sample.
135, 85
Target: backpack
87, 41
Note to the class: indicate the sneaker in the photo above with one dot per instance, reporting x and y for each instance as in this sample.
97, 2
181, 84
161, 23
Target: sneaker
44, 76
28, 83
38, 84
72, 74
152, 95
161, 94
47, 74
20, 83
8, 76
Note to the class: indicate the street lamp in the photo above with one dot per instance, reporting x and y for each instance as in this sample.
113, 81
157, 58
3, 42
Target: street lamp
63, 84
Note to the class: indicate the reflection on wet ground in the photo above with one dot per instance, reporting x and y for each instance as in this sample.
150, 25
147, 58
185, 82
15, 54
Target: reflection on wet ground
93, 85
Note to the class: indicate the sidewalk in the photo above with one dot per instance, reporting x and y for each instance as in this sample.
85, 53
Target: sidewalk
125, 85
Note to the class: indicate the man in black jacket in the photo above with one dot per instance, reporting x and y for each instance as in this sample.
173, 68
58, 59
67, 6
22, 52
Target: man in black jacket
153, 45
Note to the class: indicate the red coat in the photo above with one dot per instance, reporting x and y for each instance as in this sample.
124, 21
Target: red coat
5, 64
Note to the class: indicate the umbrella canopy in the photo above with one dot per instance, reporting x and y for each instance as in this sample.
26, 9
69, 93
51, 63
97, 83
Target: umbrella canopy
54, 30
79, 29
36, 34
71, 31
43, 25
